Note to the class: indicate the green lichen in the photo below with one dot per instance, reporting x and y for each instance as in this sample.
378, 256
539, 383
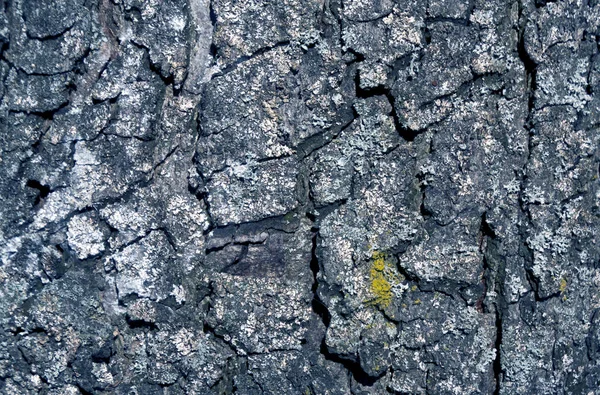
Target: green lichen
383, 279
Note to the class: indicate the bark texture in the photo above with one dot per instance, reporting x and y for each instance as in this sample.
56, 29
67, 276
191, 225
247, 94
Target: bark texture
299, 197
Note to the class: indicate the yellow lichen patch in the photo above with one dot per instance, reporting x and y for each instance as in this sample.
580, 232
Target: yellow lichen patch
563, 288
563, 285
383, 278
378, 261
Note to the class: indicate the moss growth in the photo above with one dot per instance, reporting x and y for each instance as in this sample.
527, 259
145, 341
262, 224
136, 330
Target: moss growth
383, 278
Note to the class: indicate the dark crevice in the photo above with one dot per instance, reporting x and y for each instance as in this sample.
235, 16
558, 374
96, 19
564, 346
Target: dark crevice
530, 67
411, 277
134, 323
213, 50
358, 57
213, 14
43, 191
280, 223
314, 261
103, 354
232, 66
485, 233
496, 265
426, 34
455, 21
320, 140
323, 211
47, 115
167, 80
206, 328
48, 37
82, 390
168, 236
353, 367
423, 210
497, 363
318, 307
485, 230
202, 196
406, 133
494, 273
230, 268
543, 3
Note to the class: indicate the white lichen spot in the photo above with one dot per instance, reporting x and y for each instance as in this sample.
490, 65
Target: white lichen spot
85, 236
179, 293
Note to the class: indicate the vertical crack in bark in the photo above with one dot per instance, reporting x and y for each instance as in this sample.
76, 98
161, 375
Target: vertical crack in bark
494, 268
531, 85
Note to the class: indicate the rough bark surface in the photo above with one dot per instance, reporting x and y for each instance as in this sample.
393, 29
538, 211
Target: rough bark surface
299, 197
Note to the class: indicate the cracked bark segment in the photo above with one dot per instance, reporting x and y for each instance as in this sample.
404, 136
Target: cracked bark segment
163, 28
253, 191
431, 323
49, 46
561, 83
292, 371
182, 215
68, 126
333, 166
444, 67
17, 132
365, 11
557, 332
205, 360
136, 93
397, 32
557, 212
433, 259
36, 93
560, 181
27, 261
458, 10
177, 350
247, 113
146, 269
132, 219
331, 175
241, 29
560, 153
495, 52
96, 174
45, 19
258, 316
458, 176
559, 23
57, 330
457, 51
275, 254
